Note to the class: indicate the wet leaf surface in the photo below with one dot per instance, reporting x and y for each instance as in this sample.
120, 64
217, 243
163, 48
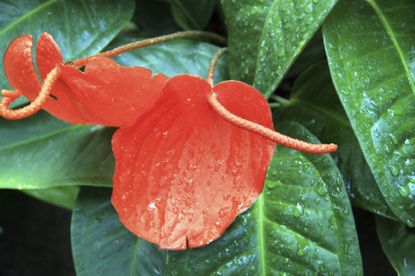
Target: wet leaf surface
315, 104
370, 51
265, 39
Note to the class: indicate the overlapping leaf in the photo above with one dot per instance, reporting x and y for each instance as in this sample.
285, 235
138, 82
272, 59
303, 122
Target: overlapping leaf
314, 103
42, 152
370, 49
302, 222
190, 14
265, 38
398, 243
64, 196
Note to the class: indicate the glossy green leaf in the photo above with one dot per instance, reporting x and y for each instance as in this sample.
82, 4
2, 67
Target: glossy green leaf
265, 37
64, 196
398, 243
301, 223
42, 152
174, 57
315, 104
192, 15
370, 47
154, 18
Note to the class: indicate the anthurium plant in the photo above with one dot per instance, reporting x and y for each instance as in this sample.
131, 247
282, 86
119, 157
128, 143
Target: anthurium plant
155, 123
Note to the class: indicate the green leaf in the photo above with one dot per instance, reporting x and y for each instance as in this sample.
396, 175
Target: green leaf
154, 18
398, 243
315, 104
190, 14
265, 38
371, 56
42, 152
64, 196
311, 55
302, 222
173, 58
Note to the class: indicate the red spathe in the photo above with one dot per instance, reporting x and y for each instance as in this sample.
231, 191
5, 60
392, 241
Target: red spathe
183, 173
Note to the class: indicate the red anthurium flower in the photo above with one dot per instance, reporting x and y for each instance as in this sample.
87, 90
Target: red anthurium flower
190, 156
105, 93
183, 173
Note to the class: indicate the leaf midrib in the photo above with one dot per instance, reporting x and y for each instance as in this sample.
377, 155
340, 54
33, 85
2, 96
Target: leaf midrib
260, 232
27, 15
395, 42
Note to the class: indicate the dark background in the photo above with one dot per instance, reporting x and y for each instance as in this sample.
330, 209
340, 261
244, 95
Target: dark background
36, 239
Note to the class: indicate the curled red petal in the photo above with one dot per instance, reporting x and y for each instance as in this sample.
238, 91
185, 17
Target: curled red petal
106, 93
112, 94
18, 66
182, 172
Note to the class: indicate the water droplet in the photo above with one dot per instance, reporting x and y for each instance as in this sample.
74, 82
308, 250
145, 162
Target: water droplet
151, 207
394, 170
224, 211
404, 191
393, 138
321, 190
298, 210
273, 183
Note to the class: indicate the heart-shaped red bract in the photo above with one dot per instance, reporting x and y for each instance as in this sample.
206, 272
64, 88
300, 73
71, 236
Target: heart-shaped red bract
183, 173
105, 93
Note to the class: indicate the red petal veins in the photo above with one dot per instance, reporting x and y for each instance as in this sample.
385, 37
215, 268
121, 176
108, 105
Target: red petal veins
183, 173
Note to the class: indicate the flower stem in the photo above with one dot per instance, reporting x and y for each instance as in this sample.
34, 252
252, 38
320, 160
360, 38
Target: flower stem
268, 133
207, 36
213, 64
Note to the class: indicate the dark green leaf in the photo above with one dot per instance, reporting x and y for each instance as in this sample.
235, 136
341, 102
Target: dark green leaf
315, 104
398, 242
265, 38
190, 14
311, 55
173, 58
64, 196
371, 56
154, 18
42, 152
301, 223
